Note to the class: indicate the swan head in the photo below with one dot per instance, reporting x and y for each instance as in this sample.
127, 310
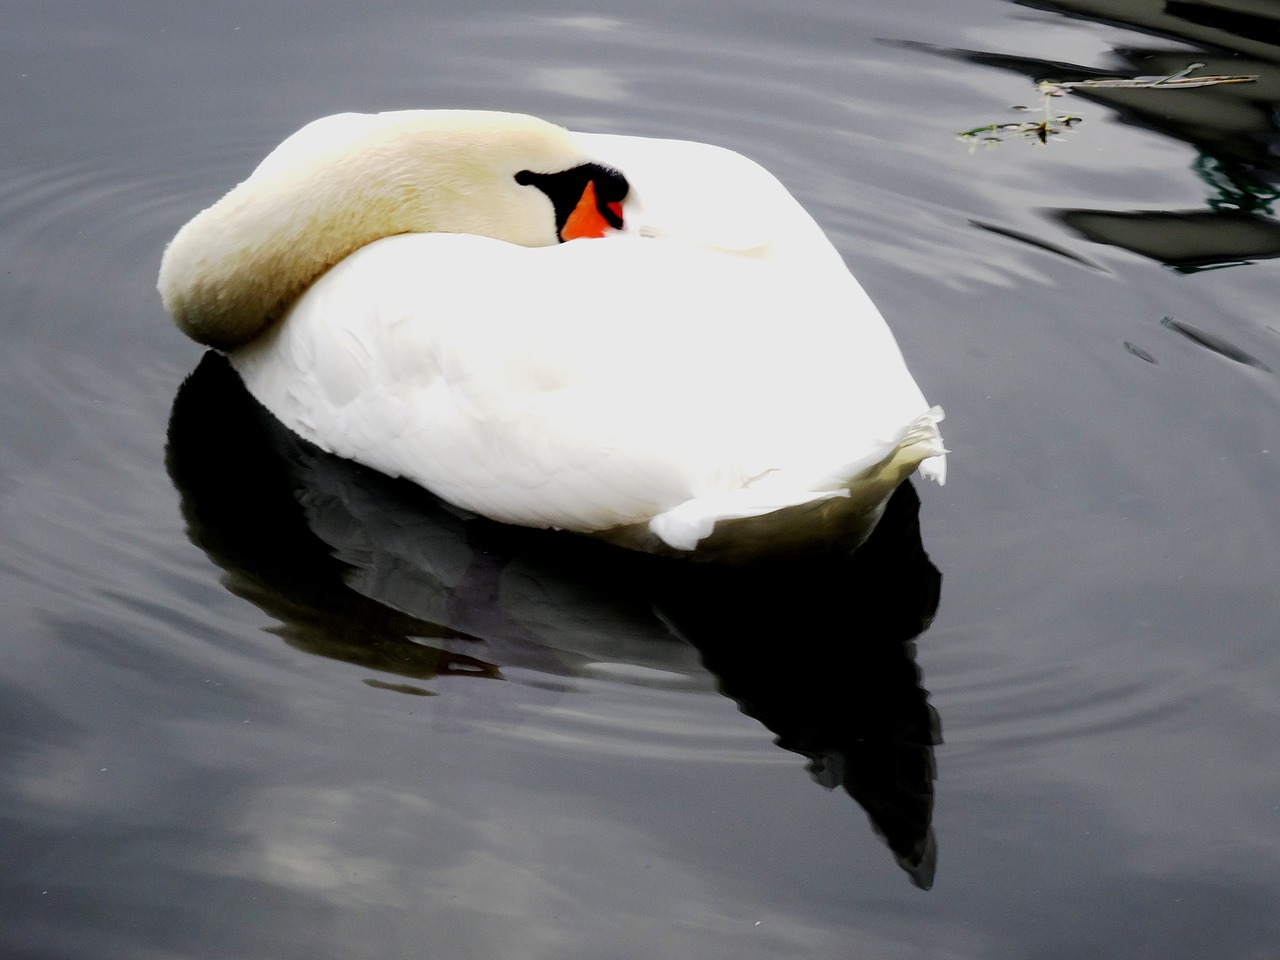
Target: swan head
345, 181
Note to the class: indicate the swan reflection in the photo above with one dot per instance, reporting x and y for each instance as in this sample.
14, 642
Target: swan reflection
375, 572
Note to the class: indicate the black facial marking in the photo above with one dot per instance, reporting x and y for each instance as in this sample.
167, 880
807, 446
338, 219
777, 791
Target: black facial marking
565, 190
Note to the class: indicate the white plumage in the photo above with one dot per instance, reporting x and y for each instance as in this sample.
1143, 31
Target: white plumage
711, 360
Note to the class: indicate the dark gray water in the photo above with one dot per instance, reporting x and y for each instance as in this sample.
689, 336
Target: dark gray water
255, 702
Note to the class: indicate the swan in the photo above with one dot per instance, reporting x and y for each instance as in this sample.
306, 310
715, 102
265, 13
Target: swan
645, 340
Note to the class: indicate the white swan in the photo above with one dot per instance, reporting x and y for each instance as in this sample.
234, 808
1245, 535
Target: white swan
646, 340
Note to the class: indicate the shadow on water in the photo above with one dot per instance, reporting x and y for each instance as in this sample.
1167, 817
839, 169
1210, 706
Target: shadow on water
375, 572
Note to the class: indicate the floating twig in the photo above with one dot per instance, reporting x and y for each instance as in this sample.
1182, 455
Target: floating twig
1181, 80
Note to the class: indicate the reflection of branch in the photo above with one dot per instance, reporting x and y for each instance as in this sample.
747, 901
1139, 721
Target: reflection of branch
1040, 131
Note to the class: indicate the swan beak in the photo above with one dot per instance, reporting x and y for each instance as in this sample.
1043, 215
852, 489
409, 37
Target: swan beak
589, 220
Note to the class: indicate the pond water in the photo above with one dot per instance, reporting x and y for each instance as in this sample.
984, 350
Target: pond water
257, 702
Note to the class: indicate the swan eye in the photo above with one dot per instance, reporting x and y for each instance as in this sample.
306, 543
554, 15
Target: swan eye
587, 198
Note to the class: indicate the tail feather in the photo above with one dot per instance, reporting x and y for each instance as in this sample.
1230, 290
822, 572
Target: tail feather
869, 483
923, 444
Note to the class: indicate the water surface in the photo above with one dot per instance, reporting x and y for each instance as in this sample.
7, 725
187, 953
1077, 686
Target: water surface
258, 702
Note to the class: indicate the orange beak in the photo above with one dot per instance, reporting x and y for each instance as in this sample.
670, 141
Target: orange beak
586, 221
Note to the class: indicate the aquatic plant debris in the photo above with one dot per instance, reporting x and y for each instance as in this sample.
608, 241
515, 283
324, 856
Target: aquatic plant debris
1037, 130
1051, 124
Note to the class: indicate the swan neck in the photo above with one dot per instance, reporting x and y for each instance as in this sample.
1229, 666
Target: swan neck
240, 264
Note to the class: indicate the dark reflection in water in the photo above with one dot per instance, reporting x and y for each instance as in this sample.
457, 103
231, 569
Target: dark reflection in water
1236, 229
1215, 343
376, 572
238, 490
1187, 240
1232, 128
843, 691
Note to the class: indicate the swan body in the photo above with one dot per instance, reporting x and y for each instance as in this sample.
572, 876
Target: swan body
696, 371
